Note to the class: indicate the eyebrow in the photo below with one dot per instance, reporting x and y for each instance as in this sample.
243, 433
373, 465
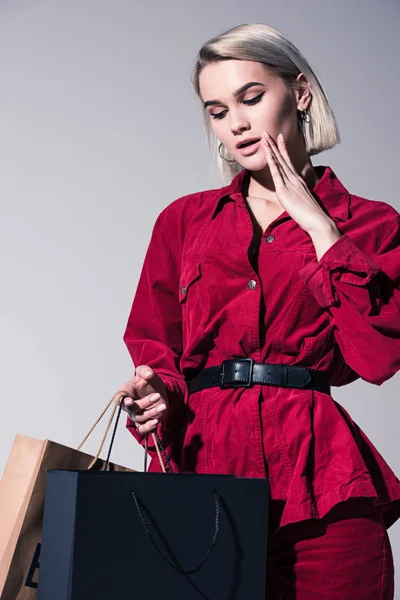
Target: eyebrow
242, 89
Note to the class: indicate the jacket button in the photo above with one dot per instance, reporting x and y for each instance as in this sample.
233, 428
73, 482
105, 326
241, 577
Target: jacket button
269, 239
252, 284
183, 290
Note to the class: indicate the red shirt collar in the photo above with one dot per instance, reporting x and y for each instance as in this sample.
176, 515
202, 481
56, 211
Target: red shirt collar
331, 193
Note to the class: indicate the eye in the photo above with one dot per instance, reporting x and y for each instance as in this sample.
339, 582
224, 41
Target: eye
218, 115
254, 100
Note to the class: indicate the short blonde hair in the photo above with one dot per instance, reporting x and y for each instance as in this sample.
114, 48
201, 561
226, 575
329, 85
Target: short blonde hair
261, 43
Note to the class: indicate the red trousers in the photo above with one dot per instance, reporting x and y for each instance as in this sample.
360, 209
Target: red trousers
345, 556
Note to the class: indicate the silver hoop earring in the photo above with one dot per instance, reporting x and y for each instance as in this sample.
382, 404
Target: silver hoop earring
223, 157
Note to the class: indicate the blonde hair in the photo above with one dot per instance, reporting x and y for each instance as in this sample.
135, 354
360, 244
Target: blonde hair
261, 43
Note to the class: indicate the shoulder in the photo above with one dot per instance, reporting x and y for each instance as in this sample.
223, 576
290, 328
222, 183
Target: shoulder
381, 210
373, 217
191, 209
186, 206
187, 215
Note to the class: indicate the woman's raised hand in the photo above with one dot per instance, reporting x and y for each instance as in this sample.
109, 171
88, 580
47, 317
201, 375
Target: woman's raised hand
145, 399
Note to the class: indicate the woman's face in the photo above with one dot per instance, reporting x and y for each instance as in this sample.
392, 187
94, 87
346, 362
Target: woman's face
267, 105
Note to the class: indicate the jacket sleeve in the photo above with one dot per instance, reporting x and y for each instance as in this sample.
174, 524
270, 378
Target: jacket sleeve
361, 293
153, 333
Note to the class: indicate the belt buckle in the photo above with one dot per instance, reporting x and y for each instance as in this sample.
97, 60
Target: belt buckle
238, 384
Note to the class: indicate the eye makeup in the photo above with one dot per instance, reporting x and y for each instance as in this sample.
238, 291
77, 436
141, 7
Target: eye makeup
250, 102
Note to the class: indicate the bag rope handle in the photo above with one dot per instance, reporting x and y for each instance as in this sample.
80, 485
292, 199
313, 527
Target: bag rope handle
120, 400
175, 566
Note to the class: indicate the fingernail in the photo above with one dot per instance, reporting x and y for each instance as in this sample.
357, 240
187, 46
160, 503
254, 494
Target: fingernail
280, 136
147, 373
161, 408
155, 397
154, 422
266, 134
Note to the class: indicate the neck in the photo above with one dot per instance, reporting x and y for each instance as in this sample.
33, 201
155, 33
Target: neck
260, 183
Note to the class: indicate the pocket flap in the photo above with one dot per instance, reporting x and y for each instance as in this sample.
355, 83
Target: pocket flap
190, 274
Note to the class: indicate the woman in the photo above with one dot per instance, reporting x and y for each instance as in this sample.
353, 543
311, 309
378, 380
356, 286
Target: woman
254, 298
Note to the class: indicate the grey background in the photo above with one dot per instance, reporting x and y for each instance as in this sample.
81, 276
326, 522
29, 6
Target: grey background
99, 131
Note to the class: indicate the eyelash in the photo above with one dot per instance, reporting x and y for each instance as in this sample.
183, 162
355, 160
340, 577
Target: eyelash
254, 100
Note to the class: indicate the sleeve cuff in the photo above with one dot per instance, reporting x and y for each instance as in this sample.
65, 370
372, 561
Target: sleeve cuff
345, 258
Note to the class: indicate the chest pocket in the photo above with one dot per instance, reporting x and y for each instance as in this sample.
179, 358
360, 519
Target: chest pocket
191, 303
189, 275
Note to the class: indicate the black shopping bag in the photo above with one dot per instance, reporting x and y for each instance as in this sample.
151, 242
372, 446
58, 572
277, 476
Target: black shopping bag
116, 536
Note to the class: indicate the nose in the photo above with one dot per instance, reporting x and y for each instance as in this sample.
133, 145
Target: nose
238, 123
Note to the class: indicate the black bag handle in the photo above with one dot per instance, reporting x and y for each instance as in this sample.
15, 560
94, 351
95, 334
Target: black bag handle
163, 555
105, 467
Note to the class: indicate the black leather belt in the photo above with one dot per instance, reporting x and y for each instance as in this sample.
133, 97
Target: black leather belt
244, 372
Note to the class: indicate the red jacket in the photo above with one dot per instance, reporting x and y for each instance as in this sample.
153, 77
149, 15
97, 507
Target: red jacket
195, 306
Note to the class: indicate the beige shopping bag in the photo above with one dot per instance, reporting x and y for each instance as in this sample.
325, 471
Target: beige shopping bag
22, 490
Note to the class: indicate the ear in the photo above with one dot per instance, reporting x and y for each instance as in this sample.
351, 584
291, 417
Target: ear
303, 92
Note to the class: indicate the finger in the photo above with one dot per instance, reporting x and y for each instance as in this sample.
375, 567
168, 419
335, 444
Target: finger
153, 413
147, 427
121, 395
145, 372
276, 172
130, 406
284, 152
145, 403
278, 157
272, 154
145, 382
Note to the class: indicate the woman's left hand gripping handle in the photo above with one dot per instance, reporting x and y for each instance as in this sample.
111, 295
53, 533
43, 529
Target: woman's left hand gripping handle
145, 399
